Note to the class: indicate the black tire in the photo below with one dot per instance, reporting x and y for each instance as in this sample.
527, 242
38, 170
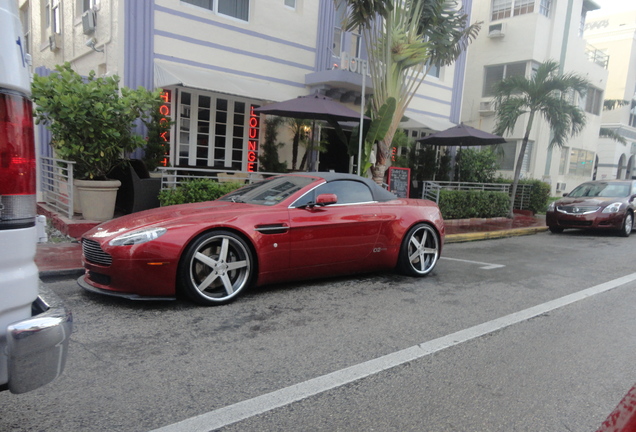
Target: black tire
419, 251
216, 268
628, 224
555, 229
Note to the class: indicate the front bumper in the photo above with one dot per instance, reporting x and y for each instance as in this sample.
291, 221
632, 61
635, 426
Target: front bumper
596, 220
37, 347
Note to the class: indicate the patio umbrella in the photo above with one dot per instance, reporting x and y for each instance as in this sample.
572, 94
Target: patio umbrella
463, 136
312, 107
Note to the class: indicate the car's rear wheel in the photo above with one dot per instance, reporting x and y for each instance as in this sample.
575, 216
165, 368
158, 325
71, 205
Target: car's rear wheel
419, 251
216, 267
628, 224
555, 229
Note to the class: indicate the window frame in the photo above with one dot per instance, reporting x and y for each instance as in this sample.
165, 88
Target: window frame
215, 7
193, 131
310, 196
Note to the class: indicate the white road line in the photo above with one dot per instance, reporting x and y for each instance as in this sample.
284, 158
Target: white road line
240, 411
486, 266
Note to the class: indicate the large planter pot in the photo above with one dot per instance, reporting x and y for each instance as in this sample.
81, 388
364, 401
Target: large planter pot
97, 198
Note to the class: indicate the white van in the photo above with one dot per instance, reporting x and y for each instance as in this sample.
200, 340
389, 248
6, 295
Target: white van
34, 329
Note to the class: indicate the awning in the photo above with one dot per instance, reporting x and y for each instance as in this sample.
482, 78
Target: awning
423, 121
172, 74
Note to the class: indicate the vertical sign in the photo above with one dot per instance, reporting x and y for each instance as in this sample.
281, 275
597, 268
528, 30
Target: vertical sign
164, 123
252, 143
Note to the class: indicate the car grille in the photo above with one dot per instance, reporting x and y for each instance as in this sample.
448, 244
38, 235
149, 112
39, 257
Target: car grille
577, 210
93, 253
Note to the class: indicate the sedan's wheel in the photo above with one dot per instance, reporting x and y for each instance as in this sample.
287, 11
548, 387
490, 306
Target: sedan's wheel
555, 229
419, 251
628, 224
216, 268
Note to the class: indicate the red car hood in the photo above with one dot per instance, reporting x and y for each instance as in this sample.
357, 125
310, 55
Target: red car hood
170, 216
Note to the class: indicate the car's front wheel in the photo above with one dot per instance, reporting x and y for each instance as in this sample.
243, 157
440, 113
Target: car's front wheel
216, 267
555, 229
628, 224
419, 251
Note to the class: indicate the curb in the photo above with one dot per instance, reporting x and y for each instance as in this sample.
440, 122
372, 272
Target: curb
460, 238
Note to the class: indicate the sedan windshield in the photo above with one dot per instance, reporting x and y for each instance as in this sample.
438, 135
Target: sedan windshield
601, 189
268, 192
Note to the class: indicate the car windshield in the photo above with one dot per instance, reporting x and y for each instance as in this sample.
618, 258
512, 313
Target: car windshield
601, 190
268, 192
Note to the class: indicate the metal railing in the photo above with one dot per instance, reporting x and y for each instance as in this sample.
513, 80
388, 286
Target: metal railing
57, 184
431, 190
597, 56
172, 177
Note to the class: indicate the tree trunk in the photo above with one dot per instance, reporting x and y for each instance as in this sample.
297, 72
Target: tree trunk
381, 163
522, 153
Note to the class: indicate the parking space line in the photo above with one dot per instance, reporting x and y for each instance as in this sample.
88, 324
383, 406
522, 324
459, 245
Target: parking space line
249, 408
486, 266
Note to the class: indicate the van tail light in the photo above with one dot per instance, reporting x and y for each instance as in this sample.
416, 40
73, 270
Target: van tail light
17, 161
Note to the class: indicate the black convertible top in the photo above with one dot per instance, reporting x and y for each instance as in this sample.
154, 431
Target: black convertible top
379, 193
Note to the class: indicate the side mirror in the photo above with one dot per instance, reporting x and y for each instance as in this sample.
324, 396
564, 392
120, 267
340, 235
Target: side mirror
326, 199
565, 194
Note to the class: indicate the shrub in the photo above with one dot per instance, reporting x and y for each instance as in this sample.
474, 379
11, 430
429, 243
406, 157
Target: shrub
473, 204
196, 190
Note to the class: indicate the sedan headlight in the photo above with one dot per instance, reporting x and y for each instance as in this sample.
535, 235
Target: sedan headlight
551, 206
613, 208
137, 237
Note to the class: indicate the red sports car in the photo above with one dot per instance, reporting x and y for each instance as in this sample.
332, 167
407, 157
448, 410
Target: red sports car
288, 227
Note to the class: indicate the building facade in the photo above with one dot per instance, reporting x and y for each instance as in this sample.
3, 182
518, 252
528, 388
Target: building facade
518, 35
217, 60
615, 35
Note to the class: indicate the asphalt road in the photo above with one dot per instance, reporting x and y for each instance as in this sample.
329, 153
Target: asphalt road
527, 333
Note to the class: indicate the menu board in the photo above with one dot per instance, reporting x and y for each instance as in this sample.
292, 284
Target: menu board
399, 181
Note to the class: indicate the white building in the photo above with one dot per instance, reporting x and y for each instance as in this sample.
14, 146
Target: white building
218, 59
615, 35
518, 35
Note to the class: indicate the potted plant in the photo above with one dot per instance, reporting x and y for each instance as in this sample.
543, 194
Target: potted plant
91, 120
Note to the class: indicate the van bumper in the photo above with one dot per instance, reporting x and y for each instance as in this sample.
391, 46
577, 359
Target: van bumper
37, 347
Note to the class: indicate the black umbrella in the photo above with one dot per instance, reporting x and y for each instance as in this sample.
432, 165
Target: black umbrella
312, 107
463, 136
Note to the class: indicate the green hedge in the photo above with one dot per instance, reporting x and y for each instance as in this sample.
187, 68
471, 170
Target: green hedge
473, 204
196, 190
539, 196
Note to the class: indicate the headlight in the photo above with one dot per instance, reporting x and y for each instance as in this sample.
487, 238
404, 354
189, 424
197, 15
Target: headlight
612, 208
551, 206
136, 237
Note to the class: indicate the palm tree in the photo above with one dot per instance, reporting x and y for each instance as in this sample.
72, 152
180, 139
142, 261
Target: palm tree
547, 93
404, 39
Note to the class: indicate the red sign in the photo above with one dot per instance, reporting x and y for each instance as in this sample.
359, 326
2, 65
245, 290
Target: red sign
252, 143
164, 109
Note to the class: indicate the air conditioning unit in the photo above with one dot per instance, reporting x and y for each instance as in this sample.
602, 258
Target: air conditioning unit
560, 187
89, 21
55, 42
486, 108
496, 30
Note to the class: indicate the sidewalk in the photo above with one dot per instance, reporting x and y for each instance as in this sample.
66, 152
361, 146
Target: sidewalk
65, 259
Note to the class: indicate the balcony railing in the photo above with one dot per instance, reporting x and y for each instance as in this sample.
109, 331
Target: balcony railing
597, 56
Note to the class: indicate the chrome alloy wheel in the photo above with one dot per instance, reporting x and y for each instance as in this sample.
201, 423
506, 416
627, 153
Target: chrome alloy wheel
219, 266
420, 251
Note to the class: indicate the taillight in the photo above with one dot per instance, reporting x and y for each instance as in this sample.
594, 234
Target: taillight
17, 161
